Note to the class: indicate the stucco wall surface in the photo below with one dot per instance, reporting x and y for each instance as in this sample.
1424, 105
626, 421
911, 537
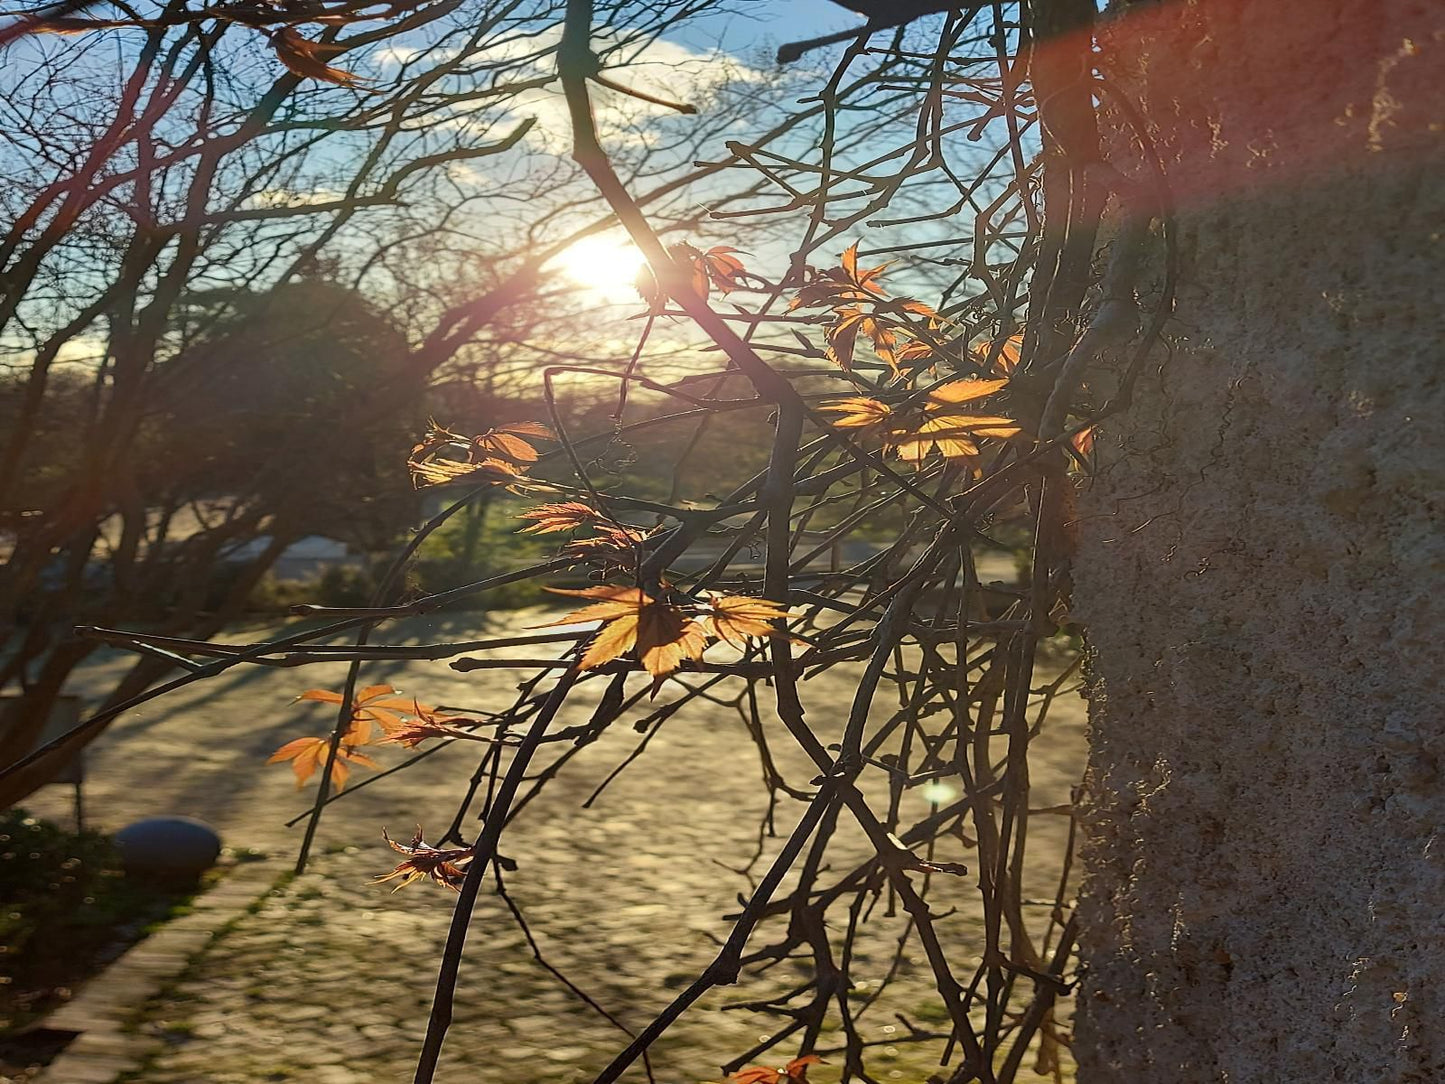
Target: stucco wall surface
1259, 567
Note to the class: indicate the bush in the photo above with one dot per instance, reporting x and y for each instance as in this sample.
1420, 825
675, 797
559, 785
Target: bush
68, 909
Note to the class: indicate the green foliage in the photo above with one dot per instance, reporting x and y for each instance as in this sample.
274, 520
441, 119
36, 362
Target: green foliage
479, 542
67, 909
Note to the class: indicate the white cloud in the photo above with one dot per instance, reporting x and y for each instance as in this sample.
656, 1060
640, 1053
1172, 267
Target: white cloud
397, 55
289, 197
661, 69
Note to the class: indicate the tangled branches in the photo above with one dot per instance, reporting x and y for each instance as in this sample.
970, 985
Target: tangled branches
911, 436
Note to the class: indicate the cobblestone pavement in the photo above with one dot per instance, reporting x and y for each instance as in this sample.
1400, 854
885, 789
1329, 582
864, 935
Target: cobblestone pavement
329, 978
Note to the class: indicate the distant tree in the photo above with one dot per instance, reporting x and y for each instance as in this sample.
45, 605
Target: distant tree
225, 159
277, 390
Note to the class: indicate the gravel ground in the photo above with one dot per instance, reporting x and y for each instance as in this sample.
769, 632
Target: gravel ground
329, 979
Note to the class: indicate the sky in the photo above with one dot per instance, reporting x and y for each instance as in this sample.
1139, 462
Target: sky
753, 23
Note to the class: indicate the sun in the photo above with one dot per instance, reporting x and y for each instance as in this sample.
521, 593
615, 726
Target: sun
606, 265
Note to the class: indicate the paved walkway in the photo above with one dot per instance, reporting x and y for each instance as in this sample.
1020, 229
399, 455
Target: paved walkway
328, 979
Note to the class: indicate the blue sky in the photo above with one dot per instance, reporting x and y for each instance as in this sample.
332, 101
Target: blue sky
752, 23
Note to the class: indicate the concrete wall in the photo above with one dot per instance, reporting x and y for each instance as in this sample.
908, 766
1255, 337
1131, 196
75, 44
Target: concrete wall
1259, 565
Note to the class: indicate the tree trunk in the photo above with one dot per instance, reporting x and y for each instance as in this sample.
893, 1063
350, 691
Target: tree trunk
1265, 861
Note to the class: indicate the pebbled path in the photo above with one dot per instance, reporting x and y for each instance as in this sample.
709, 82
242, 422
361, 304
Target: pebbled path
328, 978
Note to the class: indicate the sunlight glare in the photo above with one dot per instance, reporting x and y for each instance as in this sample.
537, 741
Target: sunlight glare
606, 265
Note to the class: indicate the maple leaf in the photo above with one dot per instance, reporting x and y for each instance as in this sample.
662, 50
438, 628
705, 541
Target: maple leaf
666, 638
858, 413
566, 516
660, 634
498, 456
917, 308
375, 704
690, 260
864, 278
445, 866
436, 472
842, 336
613, 601
413, 732
506, 442
736, 617
953, 436
307, 755
307, 58
723, 269
650, 290
964, 391
840, 286
703, 270
1008, 355
919, 350
614, 545
795, 1072
437, 437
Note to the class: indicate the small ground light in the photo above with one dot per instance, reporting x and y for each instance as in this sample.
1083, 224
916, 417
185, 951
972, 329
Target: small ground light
938, 793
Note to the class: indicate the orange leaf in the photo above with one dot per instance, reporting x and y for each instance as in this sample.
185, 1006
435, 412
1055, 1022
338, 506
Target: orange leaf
528, 429
842, 338
615, 545
371, 692
736, 617
661, 634
797, 1069
858, 413
917, 308
723, 269
506, 446
324, 695
865, 278
1009, 353
615, 639
935, 433
304, 57
983, 425
505, 441
566, 516
666, 637
616, 602
375, 704
953, 436
965, 391
913, 350
307, 755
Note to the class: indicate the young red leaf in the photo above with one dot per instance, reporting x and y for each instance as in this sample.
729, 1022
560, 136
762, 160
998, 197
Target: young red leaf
552, 518
423, 861
436, 472
306, 58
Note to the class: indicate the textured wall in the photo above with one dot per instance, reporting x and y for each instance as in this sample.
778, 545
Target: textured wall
1259, 566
